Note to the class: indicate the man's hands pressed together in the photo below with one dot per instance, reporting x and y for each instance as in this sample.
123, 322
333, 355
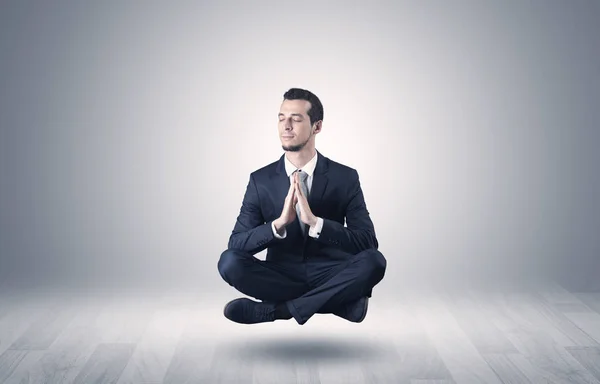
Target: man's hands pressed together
306, 215
288, 214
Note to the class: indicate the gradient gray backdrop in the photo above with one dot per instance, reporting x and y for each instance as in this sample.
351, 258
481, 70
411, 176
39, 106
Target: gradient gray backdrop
129, 130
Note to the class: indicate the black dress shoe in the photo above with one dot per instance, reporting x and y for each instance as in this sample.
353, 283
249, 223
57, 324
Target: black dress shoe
354, 311
246, 311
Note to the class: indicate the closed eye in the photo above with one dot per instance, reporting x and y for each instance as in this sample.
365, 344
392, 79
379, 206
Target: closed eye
295, 116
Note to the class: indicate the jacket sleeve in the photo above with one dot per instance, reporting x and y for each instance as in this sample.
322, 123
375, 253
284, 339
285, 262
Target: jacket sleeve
250, 233
359, 234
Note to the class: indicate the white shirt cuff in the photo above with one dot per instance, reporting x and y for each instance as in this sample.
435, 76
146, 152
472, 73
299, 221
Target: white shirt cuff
275, 232
316, 230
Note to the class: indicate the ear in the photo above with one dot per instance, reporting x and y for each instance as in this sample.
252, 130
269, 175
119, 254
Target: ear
317, 126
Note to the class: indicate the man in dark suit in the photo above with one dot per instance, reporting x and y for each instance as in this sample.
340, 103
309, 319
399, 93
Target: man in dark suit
296, 208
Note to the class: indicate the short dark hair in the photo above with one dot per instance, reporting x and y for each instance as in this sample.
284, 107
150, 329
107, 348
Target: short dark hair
315, 112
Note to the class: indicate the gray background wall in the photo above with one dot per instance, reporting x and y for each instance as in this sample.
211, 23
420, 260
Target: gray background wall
129, 128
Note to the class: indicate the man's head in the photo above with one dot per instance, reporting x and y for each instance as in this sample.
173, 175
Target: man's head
300, 119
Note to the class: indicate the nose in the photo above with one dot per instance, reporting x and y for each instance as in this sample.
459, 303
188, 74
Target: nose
287, 121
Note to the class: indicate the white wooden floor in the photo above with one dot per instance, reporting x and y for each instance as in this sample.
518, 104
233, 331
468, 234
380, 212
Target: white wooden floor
538, 334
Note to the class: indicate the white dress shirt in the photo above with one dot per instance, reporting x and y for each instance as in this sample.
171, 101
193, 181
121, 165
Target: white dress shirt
309, 168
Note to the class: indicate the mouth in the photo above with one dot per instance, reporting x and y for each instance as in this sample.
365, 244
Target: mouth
287, 137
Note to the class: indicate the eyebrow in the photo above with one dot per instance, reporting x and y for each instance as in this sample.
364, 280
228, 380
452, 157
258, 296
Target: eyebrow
293, 114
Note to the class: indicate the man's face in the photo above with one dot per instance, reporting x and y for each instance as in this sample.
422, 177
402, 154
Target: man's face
294, 124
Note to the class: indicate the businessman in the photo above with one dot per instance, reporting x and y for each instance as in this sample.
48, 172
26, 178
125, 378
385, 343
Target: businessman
310, 214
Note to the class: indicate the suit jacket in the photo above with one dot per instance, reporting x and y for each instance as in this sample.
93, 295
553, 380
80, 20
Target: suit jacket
335, 196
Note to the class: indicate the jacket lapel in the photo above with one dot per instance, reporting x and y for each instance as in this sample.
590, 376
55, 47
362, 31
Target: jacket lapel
281, 182
319, 182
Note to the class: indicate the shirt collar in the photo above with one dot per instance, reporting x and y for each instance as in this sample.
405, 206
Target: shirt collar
309, 168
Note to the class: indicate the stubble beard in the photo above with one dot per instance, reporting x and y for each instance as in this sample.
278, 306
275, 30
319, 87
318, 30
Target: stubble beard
295, 148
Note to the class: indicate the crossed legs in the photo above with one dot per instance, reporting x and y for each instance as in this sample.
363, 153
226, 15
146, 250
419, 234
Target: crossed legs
319, 286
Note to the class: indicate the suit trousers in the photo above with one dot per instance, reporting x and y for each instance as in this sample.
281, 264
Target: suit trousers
315, 285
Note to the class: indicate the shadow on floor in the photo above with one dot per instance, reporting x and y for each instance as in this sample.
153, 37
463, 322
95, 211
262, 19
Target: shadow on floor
315, 349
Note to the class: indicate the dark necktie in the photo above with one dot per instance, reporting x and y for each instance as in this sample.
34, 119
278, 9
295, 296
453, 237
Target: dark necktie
304, 187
